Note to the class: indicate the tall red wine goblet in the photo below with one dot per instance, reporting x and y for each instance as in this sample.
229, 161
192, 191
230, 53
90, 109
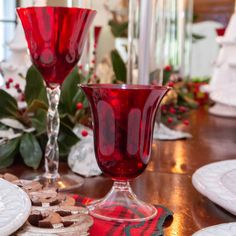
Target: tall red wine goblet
55, 37
123, 121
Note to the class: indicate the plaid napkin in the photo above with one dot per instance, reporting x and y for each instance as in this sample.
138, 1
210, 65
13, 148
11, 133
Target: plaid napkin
152, 227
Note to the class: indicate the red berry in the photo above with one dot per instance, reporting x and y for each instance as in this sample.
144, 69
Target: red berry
182, 109
84, 133
75, 196
7, 85
19, 90
81, 67
10, 80
93, 61
186, 122
172, 110
168, 68
169, 120
17, 86
171, 84
79, 106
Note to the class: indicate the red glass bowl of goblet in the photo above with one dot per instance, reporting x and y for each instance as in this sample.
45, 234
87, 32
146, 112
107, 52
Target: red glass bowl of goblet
123, 122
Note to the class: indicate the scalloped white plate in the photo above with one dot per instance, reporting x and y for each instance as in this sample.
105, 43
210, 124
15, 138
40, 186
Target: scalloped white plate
228, 229
15, 207
217, 181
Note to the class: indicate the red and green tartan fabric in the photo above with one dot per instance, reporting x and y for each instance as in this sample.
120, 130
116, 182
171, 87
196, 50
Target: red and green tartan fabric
152, 227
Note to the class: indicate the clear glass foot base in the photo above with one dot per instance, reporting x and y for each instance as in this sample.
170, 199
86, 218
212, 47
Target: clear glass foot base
122, 205
65, 182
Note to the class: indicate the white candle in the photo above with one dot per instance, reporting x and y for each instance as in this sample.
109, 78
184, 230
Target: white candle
144, 41
157, 37
181, 33
69, 3
131, 36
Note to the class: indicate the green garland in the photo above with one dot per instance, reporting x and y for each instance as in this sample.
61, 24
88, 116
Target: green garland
30, 143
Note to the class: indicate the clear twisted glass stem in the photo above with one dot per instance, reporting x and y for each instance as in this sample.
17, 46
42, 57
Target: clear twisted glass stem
53, 125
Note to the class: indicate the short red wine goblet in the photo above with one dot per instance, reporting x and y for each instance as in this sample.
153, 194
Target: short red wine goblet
55, 37
123, 121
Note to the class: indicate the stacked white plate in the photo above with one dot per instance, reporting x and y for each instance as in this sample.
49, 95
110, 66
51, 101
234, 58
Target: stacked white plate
15, 207
217, 181
218, 230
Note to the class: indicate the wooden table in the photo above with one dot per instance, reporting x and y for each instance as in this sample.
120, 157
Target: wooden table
167, 180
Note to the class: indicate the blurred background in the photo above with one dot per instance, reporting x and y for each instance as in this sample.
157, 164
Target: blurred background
191, 56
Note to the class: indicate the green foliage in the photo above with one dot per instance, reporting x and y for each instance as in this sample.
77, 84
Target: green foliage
69, 91
35, 89
166, 77
187, 100
205, 79
30, 146
30, 150
8, 151
66, 139
119, 29
8, 106
36, 105
119, 67
71, 95
39, 121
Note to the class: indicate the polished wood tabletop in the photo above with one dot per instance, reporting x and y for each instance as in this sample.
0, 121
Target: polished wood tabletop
167, 179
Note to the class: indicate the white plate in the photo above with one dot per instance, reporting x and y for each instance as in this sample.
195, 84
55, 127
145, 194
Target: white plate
15, 207
217, 181
228, 229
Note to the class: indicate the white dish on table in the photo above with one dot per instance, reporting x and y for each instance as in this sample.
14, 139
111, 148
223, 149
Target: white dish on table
228, 229
15, 207
217, 181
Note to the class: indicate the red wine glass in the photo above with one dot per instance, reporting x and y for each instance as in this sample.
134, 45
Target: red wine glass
123, 121
55, 37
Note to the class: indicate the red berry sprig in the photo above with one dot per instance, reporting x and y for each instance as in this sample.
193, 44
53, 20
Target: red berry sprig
170, 120
186, 122
84, 133
168, 68
10, 80
79, 106
172, 110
